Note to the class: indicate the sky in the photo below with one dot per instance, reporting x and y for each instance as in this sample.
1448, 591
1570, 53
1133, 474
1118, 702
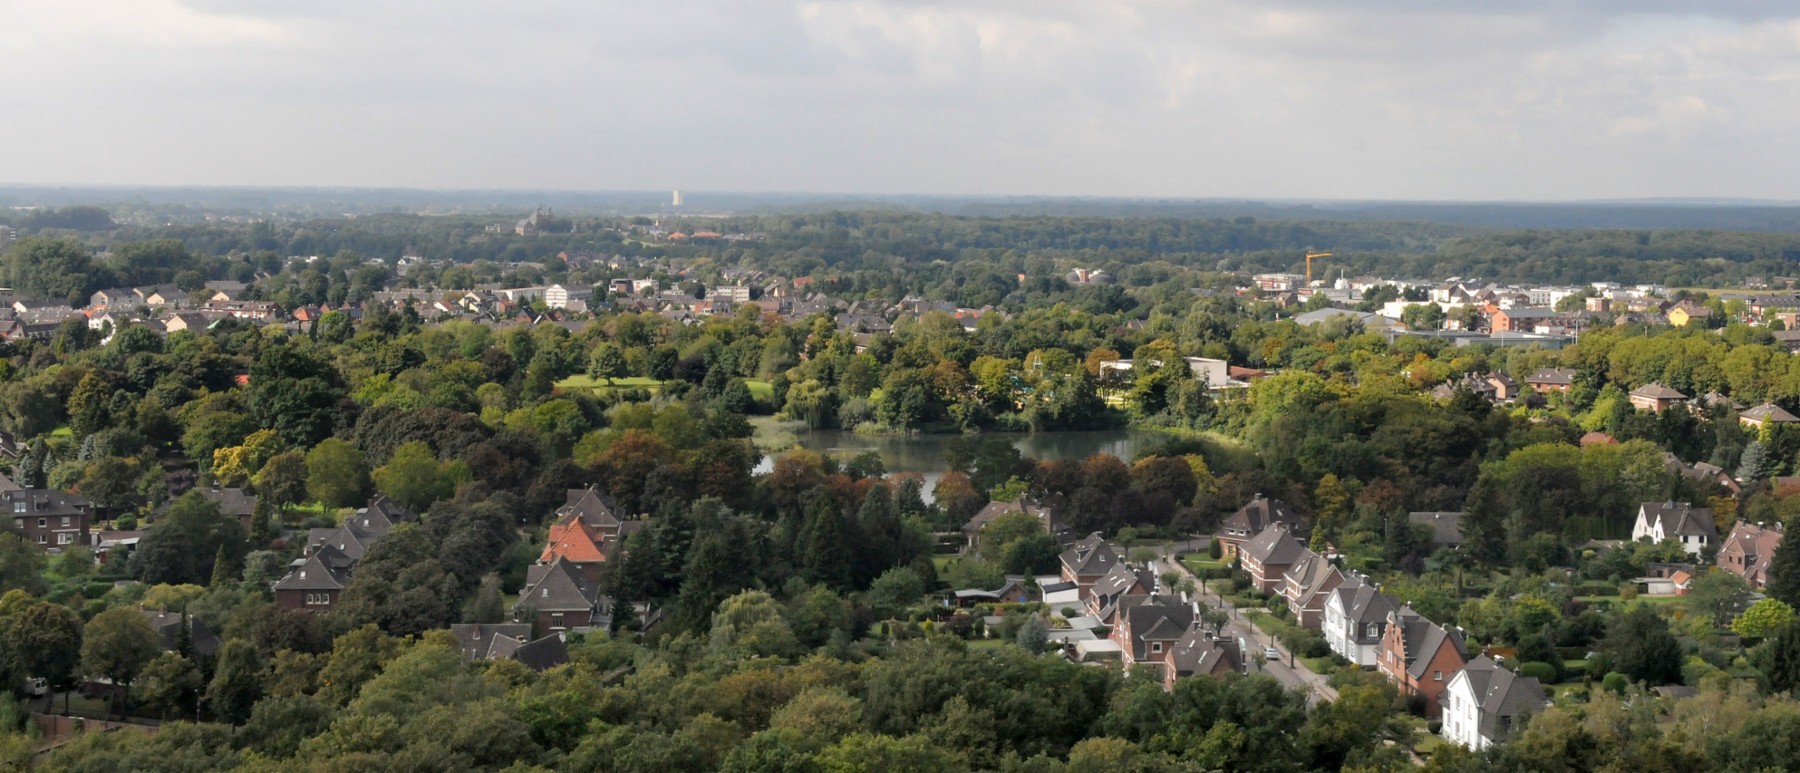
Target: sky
1540, 100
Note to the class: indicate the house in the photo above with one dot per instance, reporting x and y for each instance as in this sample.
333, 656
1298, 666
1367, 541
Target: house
1113, 591
1356, 616
1765, 415
1747, 550
1691, 526
50, 519
1086, 561
156, 296
1250, 520
572, 540
1306, 585
1268, 557
510, 641
114, 298
1419, 656
1198, 653
1552, 380
1446, 528
1486, 702
558, 597
1146, 632
597, 510
1688, 311
233, 503
224, 290
993, 511
1655, 397
316, 582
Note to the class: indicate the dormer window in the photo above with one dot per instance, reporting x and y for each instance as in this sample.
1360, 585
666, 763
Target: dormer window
1156, 646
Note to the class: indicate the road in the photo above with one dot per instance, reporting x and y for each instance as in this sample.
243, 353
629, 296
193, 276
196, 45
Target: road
1289, 671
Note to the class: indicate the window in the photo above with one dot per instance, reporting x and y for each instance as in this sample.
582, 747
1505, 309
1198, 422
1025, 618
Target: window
1437, 676
65, 520
1156, 646
64, 538
41, 539
19, 507
556, 620
43, 522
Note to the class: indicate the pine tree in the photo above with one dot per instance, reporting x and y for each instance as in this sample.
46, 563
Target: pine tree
262, 524
1755, 463
824, 549
221, 570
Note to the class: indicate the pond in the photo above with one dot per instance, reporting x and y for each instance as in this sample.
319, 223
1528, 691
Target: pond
924, 454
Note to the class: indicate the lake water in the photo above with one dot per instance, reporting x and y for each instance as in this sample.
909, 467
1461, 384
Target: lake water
924, 454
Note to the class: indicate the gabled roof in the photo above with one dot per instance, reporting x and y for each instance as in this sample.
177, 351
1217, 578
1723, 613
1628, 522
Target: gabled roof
168, 631
1090, 555
1159, 618
557, 587
1364, 603
543, 654
593, 506
1258, 514
1500, 693
571, 538
1199, 653
1679, 519
1757, 544
1311, 576
231, 501
994, 510
1122, 578
1275, 546
43, 502
1422, 639
315, 573
477, 639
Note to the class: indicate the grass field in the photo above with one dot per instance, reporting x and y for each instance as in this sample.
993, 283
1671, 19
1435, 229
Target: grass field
1198, 561
600, 384
62, 431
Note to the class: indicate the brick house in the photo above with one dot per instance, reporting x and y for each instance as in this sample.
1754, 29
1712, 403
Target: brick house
558, 597
316, 582
1306, 585
1146, 632
1655, 397
1110, 593
572, 540
52, 520
1250, 520
1747, 550
1552, 380
1419, 657
1086, 561
1267, 557
1198, 653
594, 507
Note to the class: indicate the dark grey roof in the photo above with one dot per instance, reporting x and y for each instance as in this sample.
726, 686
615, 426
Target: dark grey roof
315, 573
1199, 653
1158, 618
477, 639
1680, 519
1275, 546
1769, 412
1258, 514
543, 654
557, 587
1501, 694
594, 507
1552, 376
1657, 391
41, 502
231, 501
1090, 555
994, 510
1422, 639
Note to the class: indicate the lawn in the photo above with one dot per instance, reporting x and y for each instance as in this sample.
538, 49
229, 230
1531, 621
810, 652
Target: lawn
1195, 562
761, 390
62, 431
600, 384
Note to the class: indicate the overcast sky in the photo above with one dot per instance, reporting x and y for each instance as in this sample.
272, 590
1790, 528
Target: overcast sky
1497, 99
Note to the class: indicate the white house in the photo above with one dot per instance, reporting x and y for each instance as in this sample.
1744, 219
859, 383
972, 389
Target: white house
558, 296
1215, 372
1356, 615
1692, 526
1485, 702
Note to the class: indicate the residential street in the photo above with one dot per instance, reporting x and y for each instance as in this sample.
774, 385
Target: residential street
1288, 670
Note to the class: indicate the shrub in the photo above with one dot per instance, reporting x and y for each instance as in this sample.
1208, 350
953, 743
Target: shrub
1628, 591
1213, 550
1615, 682
1544, 672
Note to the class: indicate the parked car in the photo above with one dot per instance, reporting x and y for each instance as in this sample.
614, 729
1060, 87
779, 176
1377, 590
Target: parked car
1270, 653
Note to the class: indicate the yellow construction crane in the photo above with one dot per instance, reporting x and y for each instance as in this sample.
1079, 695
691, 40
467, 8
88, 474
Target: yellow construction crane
1309, 259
